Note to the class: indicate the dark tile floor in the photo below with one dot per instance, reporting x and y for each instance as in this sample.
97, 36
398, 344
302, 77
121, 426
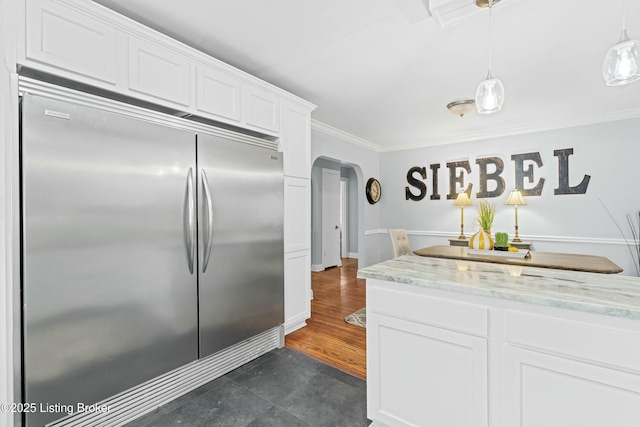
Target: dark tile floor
281, 388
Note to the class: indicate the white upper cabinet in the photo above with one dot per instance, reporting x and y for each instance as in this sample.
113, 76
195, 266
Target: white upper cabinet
86, 42
158, 72
219, 94
61, 38
263, 109
296, 141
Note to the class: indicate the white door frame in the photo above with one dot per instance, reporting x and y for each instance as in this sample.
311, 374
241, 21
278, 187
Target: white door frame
330, 218
344, 217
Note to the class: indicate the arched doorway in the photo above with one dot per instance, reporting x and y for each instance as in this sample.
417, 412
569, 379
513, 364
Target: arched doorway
342, 230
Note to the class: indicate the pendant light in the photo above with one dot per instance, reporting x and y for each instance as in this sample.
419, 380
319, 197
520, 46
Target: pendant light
622, 63
490, 93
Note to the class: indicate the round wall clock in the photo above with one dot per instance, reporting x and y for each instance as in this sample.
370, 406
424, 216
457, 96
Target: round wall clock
373, 191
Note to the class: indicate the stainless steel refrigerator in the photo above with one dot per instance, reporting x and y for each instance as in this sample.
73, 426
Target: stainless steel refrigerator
145, 246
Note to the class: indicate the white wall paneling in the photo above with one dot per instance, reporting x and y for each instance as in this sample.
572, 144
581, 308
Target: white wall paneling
158, 72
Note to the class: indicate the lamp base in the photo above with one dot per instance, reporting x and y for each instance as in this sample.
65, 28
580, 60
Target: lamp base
517, 239
462, 236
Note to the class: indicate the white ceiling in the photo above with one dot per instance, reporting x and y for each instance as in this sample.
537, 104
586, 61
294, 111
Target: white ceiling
377, 75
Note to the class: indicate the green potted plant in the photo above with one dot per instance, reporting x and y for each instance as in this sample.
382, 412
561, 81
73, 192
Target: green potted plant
482, 239
501, 242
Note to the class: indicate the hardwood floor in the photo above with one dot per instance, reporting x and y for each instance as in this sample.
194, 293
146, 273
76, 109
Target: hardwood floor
327, 337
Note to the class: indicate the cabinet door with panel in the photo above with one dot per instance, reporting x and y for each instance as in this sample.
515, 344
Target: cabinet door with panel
218, 94
426, 358
548, 390
262, 109
422, 375
296, 141
72, 41
297, 290
159, 73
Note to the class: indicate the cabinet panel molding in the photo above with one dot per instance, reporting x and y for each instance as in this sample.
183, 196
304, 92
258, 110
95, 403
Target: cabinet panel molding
61, 37
297, 214
218, 93
297, 290
448, 314
411, 359
159, 73
543, 390
262, 109
606, 346
296, 141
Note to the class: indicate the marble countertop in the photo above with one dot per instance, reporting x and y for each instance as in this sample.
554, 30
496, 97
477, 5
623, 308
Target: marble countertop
612, 295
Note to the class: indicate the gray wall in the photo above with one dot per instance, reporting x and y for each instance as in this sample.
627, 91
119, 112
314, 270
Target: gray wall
574, 223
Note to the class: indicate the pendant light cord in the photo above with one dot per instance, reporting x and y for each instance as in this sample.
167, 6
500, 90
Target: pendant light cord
490, 40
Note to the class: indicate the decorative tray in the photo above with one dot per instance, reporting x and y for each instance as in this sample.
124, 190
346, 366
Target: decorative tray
500, 254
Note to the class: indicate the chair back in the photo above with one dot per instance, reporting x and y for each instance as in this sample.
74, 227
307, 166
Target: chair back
399, 242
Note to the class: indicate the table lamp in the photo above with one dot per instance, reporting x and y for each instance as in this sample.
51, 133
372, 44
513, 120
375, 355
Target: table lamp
462, 200
515, 199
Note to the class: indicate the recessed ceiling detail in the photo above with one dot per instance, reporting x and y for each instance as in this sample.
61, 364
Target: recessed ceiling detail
446, 12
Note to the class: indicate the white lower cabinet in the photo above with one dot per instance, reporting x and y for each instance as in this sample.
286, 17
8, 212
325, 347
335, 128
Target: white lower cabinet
553, 391
423, 374
440, 358
426, 358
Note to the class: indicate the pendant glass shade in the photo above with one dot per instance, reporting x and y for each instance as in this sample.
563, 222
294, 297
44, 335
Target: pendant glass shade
489, 96
622, 63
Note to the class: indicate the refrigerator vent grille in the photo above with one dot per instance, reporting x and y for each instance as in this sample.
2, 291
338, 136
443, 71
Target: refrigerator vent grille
131, 404
38, 87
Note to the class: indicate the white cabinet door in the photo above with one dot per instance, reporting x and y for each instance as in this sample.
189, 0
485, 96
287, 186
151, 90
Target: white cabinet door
159, 72
218, 93
296, 141
550, 391
262, 109
297, 290
62, 38
297, 214
419, 375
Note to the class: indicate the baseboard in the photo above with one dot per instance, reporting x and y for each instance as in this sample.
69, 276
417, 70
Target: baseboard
352, 255
294, 326
317, 267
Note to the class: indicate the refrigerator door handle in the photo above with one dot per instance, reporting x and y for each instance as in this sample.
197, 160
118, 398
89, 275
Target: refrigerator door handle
191, 221
208, 232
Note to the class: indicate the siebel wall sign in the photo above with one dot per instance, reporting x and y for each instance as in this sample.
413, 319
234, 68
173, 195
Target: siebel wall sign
490, 169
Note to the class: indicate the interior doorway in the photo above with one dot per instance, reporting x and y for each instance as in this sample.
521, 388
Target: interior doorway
331, 207
335, 215
344, 223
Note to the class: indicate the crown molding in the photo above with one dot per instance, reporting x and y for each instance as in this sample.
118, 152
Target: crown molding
344, 136
519, 130
478, 136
